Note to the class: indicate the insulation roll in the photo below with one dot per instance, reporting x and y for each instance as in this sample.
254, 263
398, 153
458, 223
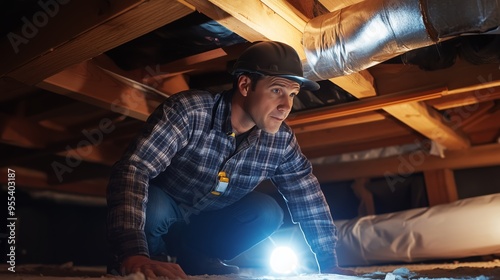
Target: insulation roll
465, 228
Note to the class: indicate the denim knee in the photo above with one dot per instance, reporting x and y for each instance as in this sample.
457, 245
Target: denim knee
230, 231
269, 212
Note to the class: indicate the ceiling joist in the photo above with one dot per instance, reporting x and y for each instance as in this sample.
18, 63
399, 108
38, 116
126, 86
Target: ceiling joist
124, 27
400, 167
88, 83
43, 34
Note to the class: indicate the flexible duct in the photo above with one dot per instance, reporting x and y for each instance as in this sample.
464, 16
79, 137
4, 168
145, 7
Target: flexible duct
464, 228
367, 33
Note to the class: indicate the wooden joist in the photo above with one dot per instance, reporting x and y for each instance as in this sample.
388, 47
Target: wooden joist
440, 186
38, 180
364, 132
120, 29
56, 23
398, 168
363, 105
252, 20
334, 5
88, 83
427, 121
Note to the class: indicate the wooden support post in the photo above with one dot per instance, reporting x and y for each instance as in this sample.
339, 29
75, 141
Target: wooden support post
366, 204
441, 187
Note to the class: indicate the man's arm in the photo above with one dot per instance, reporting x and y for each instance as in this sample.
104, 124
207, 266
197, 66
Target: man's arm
307, 205
150, 153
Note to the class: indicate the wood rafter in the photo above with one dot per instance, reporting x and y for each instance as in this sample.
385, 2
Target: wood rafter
88, 83
430, 123
399, 167
440, 186
22, 132
334, 5
351, 134
122, 28
363, 146
359, 118
398, 104
363, 105
82, 15
37, 180
252, 19
469, 99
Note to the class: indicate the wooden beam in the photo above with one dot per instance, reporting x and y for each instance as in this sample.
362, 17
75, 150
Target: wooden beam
462, 77
22, 132
334, 5
397, 168
466, 117
336, 149
225, 19
265, 21
63, 174
140, 20
429, 122
484, 137
88, 83
423, 118
366, 202
363, 105
351, 134
175, 84
288, 12
309, 8
360, 84
106, 153
440, 186
339, 122
252, 19
468, 98
36, 180
487, 121
56, 23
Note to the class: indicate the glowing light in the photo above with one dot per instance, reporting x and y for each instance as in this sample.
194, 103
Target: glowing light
283, 260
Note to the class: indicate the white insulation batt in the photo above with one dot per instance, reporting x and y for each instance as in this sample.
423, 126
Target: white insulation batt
465, 228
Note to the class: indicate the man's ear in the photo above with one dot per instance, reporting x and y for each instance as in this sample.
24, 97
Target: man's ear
244, 84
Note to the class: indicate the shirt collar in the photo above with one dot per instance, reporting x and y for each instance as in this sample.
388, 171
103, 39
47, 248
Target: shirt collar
223, 116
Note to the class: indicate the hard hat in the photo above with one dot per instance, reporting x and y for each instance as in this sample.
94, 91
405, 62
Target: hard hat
273, 59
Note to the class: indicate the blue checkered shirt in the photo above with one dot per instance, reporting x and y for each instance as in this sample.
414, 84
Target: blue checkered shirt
185, 143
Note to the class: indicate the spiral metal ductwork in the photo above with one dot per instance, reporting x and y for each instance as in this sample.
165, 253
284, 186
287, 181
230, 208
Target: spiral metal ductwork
367, 33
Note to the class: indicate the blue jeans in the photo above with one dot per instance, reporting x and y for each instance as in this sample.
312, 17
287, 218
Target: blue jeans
222, 234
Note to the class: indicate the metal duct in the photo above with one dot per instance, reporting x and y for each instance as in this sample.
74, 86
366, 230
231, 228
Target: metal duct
367, 33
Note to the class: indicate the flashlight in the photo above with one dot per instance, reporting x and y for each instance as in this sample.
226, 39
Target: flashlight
283, 260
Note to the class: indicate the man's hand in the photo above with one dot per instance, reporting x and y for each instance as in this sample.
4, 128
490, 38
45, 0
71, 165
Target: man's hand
151, 268
338, 270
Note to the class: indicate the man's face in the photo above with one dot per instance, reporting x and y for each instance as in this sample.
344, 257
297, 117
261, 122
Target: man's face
271, 101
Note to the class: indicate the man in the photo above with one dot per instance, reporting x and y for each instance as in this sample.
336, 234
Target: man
195, 165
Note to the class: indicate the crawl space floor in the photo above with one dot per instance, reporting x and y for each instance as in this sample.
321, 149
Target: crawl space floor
485, 270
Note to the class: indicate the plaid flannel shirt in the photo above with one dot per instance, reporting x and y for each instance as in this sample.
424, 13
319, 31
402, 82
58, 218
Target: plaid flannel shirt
185, 143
